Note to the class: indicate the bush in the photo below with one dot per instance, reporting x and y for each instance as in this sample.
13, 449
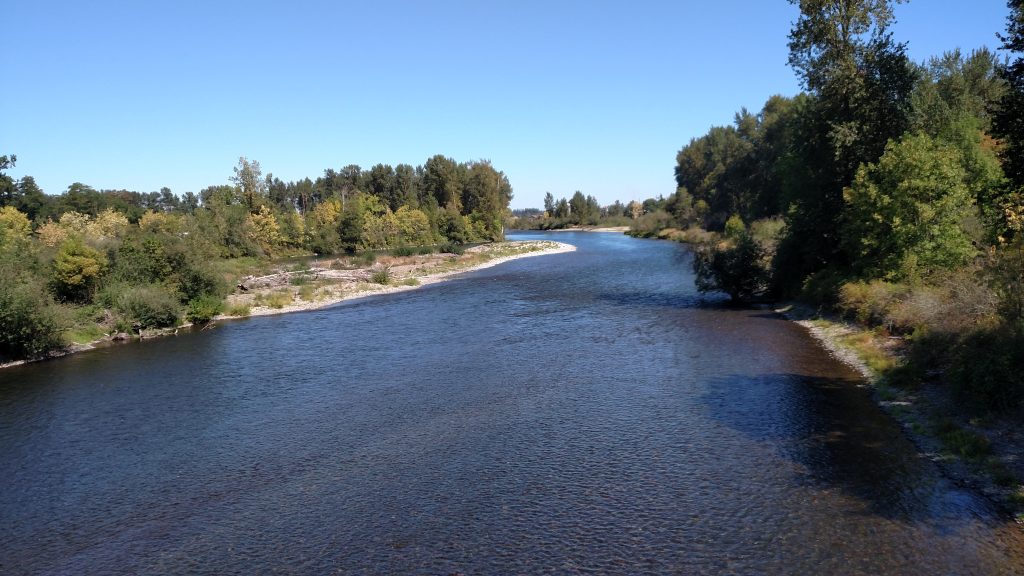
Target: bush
403, 251
367, 258
30, 326
734, 227
381, 275
149, 306
738, 270
424, 250
197, 281
239, 310
204, 309
453, 248
870, 302
649, 225
986, 373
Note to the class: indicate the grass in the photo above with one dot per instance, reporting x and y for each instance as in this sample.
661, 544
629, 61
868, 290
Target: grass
84, 333
961, 442
867, 348
307, 293
238, 310
300, 280
277, 299
410, 282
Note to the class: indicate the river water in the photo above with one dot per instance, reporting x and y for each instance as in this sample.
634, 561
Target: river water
575, 413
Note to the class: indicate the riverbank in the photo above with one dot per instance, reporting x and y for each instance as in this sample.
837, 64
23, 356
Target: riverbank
982, 455
334, 280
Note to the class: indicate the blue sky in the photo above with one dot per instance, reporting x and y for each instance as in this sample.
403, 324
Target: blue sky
596, 96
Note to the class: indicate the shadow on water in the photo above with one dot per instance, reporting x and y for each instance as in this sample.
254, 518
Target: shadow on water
831, 430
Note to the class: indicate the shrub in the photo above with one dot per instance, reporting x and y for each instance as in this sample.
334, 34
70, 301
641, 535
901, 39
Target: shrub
198, 281
985, 371
367, 258
424, 250
403, 251
381, 275
738, 270
238, 310
648, 225
870, 302
453, 248
30, 326
204, 309
307, 293
149, 306
734, 227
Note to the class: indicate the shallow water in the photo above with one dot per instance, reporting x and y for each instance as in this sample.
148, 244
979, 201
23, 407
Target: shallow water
576, 413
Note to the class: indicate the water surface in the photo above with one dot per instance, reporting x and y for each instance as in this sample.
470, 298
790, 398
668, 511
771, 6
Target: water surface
576, 413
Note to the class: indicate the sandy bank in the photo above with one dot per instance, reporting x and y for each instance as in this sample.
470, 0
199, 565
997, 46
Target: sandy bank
408, 277
615, 229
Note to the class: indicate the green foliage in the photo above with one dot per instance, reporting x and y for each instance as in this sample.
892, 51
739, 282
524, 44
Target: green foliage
30, 326
203, 309
149, 306
366, 258
985, 371
77, 269
1008, 119
452, 248
401, 251
649, 225
734, 227
196, 281
381, 275
350, 229
240, 310
738, 268
904, 214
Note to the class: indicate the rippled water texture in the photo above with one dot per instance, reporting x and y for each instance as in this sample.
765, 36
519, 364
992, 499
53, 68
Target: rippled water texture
582, 412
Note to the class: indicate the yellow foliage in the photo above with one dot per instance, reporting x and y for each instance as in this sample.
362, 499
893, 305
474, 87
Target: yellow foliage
13, 225
413, 226
160, 222
379, 231
74, 223
262, 229
325, 214
107, 224
51, 233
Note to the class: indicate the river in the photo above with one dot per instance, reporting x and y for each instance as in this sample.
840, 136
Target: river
584, 412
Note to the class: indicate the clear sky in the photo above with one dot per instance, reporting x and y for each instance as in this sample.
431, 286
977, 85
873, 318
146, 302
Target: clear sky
596, 95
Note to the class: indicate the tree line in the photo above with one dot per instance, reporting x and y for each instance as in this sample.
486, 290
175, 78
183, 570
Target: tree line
889, 190
126, 259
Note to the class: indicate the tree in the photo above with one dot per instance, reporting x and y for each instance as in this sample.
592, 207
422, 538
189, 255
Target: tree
249, 180
860, 82
14, 226
76, 271
549, 203
382, 182
442, 178
406, 184
734, 267
350, 227
904, 213
1008, 117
